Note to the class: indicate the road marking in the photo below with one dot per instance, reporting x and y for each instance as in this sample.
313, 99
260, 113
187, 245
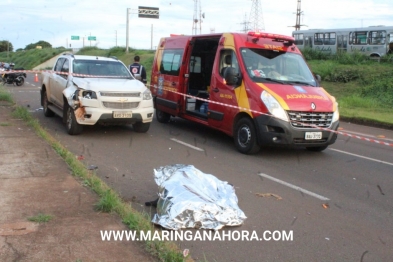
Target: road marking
186, 144
294, 187
362, 134
368, 158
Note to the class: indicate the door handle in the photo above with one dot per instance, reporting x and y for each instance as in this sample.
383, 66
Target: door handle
216, 90
173, 83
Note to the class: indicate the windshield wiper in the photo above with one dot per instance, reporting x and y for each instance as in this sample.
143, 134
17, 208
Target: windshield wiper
300, 83
273, 80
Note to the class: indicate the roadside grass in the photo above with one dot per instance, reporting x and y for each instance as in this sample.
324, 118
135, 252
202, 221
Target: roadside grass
363, 88
30, 58
40, 218
109, 200
5, 96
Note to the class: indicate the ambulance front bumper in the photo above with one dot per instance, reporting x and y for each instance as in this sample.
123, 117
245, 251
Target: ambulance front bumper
274, 131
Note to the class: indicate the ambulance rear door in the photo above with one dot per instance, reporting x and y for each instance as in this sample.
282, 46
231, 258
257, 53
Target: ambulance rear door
170, 76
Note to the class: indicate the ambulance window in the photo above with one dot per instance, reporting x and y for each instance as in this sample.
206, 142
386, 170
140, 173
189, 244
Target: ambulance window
195, 64
228, 59
171, 60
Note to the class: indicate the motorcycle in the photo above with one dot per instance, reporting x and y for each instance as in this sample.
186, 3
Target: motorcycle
17, 78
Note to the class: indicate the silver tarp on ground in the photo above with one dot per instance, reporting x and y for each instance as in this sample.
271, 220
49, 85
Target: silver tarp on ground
189, 198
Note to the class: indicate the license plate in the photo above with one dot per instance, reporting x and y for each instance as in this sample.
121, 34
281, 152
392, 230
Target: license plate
313, 135
122, 114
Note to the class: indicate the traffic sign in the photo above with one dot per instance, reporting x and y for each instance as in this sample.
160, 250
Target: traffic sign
91, 38
148, 12
74, 37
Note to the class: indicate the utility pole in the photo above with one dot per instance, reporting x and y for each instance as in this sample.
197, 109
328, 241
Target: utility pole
151, 37
196, 20
256, 16
298, 16
128, 13
245, 24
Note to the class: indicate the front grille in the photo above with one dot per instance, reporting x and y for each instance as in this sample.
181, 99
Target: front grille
125, 94
121, 105
307, 119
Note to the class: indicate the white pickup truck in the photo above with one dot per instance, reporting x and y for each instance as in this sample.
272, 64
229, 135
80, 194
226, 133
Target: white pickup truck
89, 90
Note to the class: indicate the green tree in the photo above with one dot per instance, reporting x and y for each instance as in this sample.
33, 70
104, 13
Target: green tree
6, 46
41, 43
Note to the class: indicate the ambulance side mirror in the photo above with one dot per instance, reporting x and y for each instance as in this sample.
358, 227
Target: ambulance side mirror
232, 77
318, 78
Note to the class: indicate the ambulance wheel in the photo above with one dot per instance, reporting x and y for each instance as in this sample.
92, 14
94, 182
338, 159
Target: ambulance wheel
245, 137
162, 117
316, 149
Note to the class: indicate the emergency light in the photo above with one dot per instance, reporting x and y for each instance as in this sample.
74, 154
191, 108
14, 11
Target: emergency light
276, 37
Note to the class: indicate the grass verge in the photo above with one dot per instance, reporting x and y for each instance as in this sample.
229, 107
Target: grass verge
109, 200
40, 218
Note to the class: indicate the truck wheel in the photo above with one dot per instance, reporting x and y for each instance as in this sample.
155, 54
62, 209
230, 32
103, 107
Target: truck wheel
73, 128
245, 137
162, 117
140, 127
316, 149
45, 103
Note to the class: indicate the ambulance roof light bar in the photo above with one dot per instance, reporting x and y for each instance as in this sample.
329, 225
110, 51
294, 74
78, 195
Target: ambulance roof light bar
276, 37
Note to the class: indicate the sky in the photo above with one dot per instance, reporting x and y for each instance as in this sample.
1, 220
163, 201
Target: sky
29, 21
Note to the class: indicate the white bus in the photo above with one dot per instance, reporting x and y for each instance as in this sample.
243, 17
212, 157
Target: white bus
373, 41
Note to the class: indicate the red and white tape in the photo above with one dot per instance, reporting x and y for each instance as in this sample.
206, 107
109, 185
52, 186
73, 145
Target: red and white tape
56, 72
206, 100
261, 113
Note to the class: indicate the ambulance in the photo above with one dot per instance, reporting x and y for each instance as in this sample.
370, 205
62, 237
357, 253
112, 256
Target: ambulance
255, 87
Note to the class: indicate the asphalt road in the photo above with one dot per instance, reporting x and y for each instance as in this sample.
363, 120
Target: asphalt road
337, 203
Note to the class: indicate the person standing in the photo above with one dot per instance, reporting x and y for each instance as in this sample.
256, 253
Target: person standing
138, 70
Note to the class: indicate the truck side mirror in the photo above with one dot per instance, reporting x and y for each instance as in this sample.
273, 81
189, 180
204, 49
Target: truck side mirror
318, 78
232, 77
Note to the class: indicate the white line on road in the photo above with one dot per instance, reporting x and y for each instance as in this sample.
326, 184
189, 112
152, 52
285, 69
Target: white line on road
186, 144
294, 187
368, 158
362, 134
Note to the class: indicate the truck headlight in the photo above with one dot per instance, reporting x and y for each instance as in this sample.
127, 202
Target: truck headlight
273, 106
88, 94
336, 114
147, 95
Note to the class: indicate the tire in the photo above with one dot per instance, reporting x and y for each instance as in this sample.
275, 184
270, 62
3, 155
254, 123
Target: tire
245, 137
140, 127
316, 149
45, 103
19, 81
72, 126
162, 117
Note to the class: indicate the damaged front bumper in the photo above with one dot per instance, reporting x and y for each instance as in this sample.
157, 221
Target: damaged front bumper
91, 108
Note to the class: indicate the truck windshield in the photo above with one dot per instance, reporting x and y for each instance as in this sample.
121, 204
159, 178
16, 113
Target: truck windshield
97, 68
276, 66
